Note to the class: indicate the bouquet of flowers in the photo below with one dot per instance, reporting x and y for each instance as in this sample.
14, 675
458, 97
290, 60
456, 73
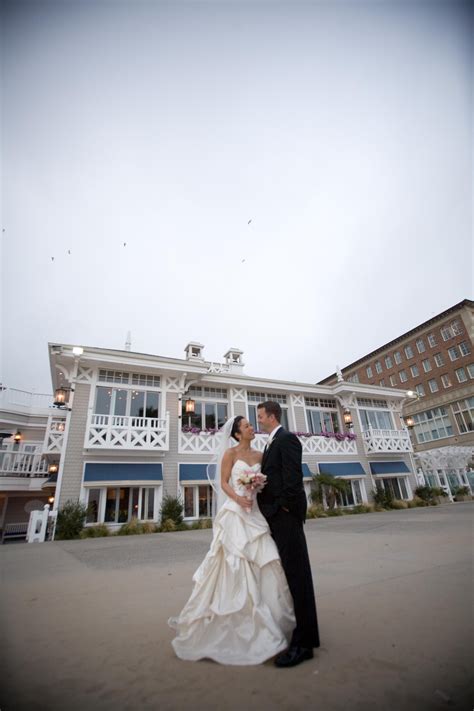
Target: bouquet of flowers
252, 482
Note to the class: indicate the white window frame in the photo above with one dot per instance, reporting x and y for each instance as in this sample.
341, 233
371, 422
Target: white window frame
453, 353
439, 360
409, 352
433, 390
414, 370
461, 370
420, 345
397, 357
388, 362
378, 367
446, 380
402, 374
464, 349
432, 342
369, 372
426, 363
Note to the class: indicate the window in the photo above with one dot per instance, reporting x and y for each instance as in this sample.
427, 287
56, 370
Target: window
461, 375
212, 393
382, 383
93, 506
388, 362
426, 365
151, 381
403, 376
393, 380
124, 503
396, 486
438, 359
352, 495
253, 417
432, 340
127, 403
432, 424
447, 333
433, 385
414, 370
258, 397
453, 353
420, 389
371, 402
114, 376
465, 348
353, 378
470, 370
378, 366
206, 415
464, 414
324, 402
456, 328
397, 357
446, 380
409, 351
420, 344
376, 419
198, 501
322, 420
369, 371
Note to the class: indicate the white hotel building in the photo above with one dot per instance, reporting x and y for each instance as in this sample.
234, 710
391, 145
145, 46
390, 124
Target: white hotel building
123, 438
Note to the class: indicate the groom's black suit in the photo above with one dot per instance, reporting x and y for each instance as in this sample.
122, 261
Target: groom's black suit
284, 490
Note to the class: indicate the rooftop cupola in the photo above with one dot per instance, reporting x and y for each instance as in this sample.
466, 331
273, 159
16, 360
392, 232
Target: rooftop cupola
233, 359
194, 351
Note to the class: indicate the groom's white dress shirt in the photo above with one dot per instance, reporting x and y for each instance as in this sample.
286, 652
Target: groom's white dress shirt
271, 436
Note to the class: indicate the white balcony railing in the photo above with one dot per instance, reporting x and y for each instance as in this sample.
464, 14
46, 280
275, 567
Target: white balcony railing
119, 432
12, 397
22, 464
206, 443
382, 441
54, 437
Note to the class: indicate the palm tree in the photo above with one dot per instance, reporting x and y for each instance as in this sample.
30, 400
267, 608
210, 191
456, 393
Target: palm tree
327, 486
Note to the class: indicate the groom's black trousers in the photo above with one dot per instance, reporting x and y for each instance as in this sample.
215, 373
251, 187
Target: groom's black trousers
288, 534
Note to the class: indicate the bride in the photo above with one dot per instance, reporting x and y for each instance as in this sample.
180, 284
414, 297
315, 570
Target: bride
240, 610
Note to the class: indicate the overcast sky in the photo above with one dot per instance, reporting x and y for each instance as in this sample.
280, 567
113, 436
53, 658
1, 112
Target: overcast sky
340, 129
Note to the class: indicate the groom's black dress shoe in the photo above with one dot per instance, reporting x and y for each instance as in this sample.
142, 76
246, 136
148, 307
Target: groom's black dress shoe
293, 656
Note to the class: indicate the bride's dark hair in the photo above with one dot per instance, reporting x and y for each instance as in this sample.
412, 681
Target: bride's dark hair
236, 427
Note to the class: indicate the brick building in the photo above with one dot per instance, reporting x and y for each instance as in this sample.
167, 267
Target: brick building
435, 362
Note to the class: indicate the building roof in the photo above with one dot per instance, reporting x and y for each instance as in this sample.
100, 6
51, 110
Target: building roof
400, 339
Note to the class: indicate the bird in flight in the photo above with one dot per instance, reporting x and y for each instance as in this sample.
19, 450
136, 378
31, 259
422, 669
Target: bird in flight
249, 222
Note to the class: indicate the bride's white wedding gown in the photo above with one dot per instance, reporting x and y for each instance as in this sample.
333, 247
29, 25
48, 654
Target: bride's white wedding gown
240, 610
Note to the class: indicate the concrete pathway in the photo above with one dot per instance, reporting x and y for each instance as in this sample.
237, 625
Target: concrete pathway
83, 623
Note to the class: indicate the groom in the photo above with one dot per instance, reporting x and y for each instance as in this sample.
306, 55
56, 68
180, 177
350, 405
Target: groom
283, 503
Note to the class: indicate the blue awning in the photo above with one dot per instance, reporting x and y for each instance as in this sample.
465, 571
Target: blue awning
389, 468
123, 472
193, 472
342, 469
307, 474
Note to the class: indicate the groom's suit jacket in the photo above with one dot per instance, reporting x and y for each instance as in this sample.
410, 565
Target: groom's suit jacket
283, 467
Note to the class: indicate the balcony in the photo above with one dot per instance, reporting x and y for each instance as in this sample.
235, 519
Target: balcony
54, 438
23, 400
23, 464
206, 443
120, 433
382, 441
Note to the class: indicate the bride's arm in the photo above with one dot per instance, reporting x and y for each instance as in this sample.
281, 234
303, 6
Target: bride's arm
226, 469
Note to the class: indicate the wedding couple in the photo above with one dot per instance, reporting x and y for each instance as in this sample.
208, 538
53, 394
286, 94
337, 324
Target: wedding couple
253, 593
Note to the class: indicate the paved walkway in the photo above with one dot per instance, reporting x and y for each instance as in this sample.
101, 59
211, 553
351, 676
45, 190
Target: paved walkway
84, 622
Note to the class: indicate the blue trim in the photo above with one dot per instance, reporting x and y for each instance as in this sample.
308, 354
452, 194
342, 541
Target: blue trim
193, 472
342, 469
123, 472
389, 468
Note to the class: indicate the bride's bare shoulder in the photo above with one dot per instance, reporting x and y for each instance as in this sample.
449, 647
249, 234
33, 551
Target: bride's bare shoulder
257, 455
